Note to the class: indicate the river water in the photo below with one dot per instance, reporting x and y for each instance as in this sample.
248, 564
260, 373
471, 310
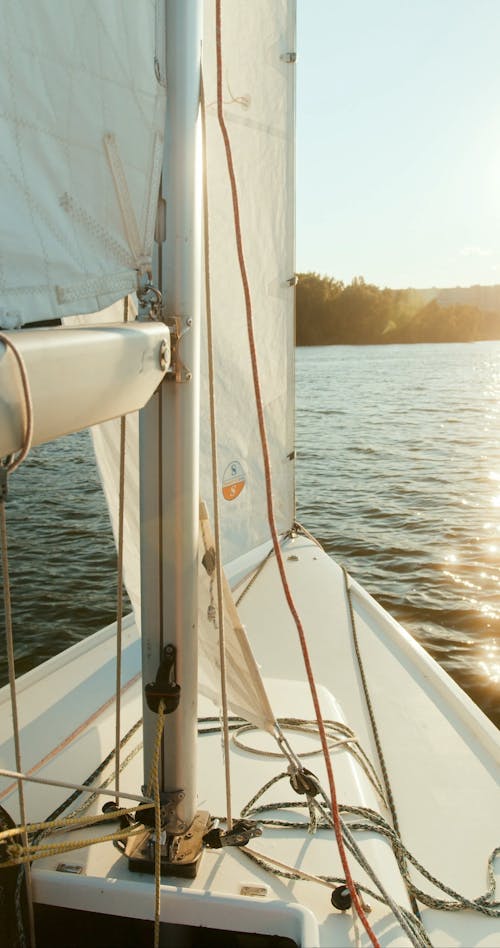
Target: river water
398, 476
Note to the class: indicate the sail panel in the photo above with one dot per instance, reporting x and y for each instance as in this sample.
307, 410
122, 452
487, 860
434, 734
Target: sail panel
258, 54
81, 126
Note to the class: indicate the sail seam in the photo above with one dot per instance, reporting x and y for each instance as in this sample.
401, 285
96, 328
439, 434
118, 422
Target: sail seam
152, 199
141, 259
122, 283
81, 216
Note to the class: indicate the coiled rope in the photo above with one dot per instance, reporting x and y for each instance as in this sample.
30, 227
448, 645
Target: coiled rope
370, 821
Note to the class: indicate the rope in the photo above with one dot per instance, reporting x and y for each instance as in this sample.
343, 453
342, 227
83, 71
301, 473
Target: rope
378, 743
215, 476
81, 788
268, 479
119, 583
7, 468
339, 735
370, 821
71, 737
22, 854
326, 820
257, 573
154, 788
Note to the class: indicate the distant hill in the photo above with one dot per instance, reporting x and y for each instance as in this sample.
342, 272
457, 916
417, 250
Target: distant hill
330, 312
483, 297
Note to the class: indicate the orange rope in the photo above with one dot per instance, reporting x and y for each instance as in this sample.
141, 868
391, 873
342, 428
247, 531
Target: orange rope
269, 498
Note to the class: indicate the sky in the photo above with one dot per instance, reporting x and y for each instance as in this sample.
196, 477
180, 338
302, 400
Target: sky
398, 141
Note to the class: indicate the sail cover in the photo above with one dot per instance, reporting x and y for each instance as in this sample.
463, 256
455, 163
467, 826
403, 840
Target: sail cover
81, 125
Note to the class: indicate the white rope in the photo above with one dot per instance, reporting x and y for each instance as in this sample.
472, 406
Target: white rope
82, 788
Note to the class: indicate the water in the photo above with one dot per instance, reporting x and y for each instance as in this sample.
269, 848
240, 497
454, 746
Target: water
398, 475
61, 552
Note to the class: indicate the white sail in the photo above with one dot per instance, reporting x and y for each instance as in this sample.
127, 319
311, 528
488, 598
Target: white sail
81, 131
258, 54
245, 688
261, 131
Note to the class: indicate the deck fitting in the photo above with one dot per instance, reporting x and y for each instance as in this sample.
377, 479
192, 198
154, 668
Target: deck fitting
180, 854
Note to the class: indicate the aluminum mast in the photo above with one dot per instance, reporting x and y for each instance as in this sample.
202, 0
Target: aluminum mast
169, 427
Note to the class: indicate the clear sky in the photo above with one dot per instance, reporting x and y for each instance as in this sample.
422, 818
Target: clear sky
398, 141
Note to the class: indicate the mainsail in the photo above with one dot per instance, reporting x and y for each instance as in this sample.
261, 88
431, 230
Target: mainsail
102, 182
81, 129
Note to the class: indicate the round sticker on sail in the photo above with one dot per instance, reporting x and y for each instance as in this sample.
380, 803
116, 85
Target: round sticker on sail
233, 481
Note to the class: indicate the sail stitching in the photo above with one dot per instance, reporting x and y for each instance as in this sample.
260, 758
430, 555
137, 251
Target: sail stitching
81, 216
31, 203
36, 206
121, 283
123, 194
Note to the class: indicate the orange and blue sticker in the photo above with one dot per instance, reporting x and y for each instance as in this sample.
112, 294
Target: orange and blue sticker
233, 481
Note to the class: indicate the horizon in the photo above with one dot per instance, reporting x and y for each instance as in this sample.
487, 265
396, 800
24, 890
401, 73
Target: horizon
398, 141
386, 286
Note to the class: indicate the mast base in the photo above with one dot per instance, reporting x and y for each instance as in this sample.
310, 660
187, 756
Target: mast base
180, 854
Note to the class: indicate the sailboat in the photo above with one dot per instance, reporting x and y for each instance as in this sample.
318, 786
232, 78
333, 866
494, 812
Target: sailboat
258, 754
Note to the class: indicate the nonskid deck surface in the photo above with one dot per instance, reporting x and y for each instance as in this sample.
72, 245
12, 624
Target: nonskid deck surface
442, 757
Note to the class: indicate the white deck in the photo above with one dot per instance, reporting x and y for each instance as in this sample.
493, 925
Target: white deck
442, 756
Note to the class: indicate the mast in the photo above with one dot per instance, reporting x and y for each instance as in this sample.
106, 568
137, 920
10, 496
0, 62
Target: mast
169, 429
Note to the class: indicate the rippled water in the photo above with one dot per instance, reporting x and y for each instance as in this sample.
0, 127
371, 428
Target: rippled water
61, 552
398, 475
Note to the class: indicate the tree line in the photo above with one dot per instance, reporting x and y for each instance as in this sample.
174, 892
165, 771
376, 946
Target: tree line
330, 312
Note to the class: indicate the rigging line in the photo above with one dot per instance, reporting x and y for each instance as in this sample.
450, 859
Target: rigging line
9, 638
82, 788
215, 475
71, 737
11, 465
119, 584
153, 789
93, 776
254, 577
270, 506
378, 744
